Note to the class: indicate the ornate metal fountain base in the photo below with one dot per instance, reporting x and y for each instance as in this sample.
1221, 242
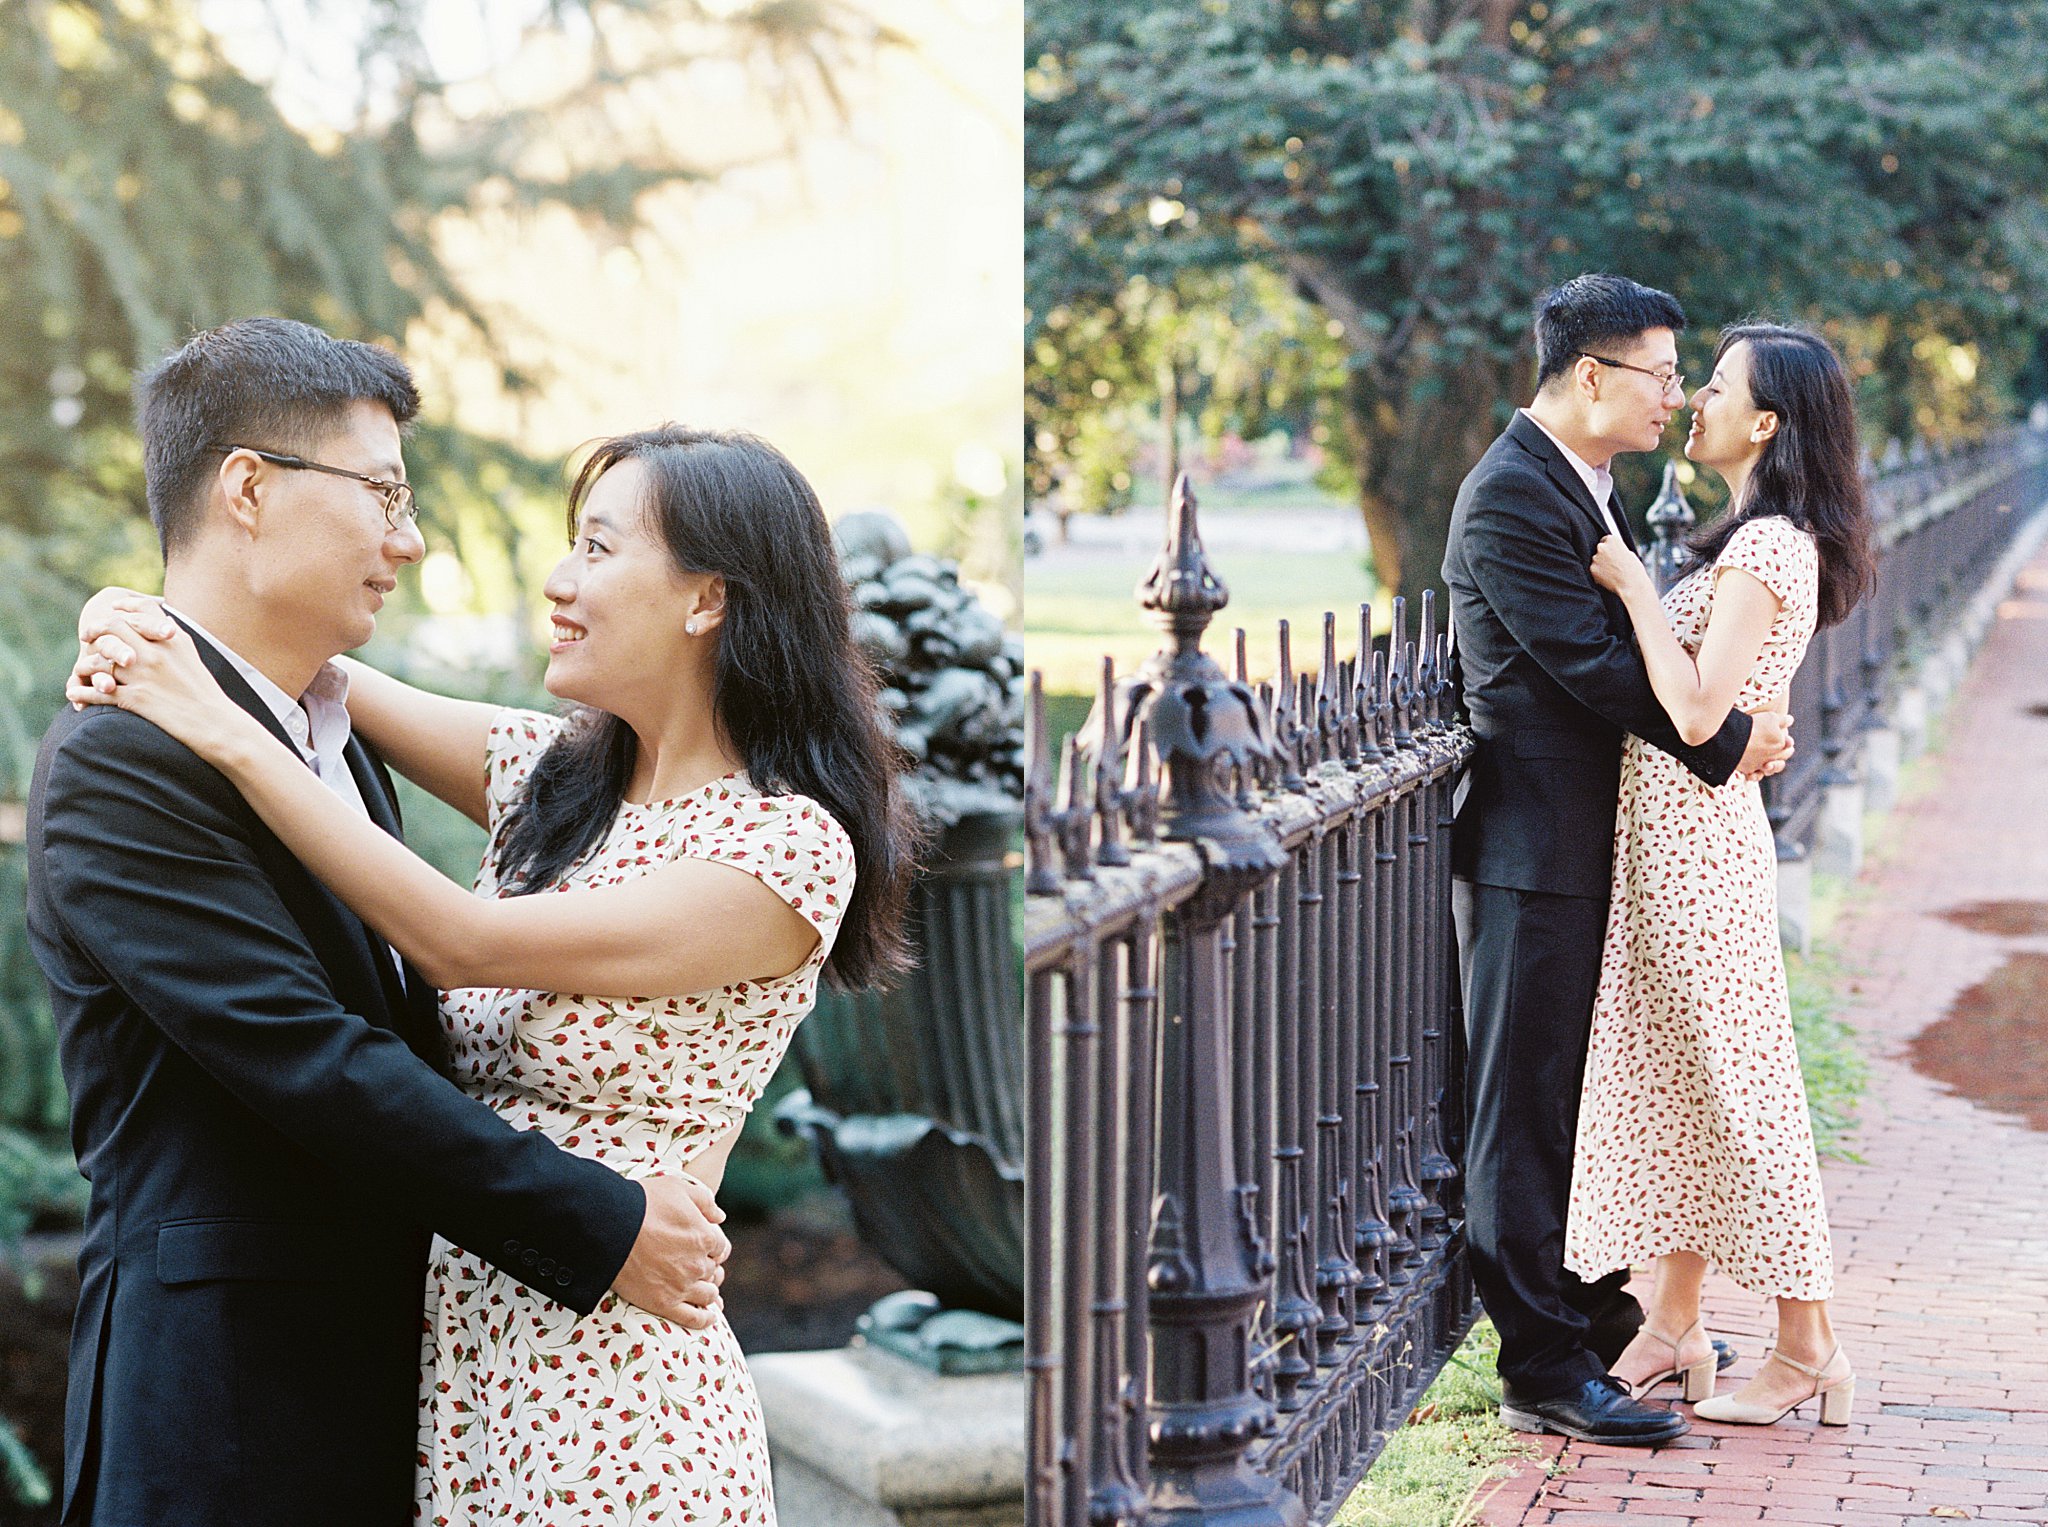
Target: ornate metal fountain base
913, 1324
914, 1096
935, 1202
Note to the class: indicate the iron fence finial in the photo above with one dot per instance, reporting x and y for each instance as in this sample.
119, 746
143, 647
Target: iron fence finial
1181, 590
1670, 519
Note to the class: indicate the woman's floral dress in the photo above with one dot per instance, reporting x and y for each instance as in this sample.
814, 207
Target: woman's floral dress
529, 1412
1693, 1130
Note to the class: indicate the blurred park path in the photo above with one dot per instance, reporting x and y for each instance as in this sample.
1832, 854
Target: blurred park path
1135, 536
1941, 1231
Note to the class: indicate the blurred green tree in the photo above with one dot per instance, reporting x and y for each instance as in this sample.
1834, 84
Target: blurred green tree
1420, 169
1128, 378
149, 188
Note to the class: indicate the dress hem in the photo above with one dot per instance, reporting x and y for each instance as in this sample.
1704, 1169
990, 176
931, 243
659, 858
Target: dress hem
1761, 1288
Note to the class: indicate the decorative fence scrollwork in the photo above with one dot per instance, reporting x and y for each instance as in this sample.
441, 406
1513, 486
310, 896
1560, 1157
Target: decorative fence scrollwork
1245, 1258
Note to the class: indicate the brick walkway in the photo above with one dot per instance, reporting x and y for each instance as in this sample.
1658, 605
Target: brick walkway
1941, 1233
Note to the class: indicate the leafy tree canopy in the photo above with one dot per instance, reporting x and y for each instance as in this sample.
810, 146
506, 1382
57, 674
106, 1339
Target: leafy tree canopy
1420, 170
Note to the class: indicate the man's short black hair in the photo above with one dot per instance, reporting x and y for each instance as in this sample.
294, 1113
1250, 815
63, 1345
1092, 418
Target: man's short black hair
1593, 313
272, 383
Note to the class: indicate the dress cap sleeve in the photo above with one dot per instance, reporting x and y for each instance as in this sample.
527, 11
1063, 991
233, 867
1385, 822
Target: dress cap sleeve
518, 738
1776, 552
790, 844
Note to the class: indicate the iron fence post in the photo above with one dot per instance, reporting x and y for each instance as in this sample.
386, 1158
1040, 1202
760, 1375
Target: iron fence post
1204, 1297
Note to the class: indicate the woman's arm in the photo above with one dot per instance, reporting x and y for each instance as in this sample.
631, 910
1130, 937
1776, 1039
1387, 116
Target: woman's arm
1697, 694
438, 742
689, 926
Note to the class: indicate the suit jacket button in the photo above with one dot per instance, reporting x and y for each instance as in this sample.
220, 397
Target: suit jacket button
511, 1248
563, 1278
547, 1267
529, 1256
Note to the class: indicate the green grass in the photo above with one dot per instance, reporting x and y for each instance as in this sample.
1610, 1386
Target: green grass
1300, 492
1097, 594
1433, 1468
1077, 614
1064, 714
1830, 1056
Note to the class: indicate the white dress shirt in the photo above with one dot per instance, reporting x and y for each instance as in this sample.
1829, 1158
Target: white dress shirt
317, 723
1598, 480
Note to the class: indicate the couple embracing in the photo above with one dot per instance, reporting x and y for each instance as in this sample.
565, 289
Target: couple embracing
1635, 1093
403, 1198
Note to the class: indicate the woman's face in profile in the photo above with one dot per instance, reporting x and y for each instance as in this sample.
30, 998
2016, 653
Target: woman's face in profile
1724, 416
620, 602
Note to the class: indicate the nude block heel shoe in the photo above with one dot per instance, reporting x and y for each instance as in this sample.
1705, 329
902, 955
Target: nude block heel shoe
1837, 1397
1695, 1383
1836, 1401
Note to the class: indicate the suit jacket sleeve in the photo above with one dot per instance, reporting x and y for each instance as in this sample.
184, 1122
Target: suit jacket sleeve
151, 857
1529, 571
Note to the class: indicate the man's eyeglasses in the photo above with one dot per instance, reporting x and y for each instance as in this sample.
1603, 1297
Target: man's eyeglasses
1665, 379
396, 496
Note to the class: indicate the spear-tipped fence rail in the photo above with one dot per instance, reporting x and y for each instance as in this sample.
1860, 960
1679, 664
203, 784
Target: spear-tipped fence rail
1245, 1255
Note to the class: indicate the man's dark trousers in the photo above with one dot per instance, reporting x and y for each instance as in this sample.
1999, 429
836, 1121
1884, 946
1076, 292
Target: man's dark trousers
1530, 964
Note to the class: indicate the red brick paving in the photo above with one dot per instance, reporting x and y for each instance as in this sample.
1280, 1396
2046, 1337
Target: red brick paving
1941, 1231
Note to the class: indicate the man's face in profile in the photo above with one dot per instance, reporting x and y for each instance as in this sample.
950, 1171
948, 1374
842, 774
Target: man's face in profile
327, 552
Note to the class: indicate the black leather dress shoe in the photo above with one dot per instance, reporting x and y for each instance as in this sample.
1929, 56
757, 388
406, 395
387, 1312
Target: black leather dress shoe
1599, 1410
1724, 1356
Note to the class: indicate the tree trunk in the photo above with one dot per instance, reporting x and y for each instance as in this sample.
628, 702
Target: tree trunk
1413, 453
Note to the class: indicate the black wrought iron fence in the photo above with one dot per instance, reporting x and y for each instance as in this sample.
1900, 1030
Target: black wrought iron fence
1240, 894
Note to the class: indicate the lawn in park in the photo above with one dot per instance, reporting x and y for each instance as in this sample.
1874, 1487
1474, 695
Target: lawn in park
1078, 608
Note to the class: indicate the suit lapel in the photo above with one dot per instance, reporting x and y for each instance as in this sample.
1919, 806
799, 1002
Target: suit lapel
373, 953
236, 687
412, 994
374, 786
1628, 534
1531, 437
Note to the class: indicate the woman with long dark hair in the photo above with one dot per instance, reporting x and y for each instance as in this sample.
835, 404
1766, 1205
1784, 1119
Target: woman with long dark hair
1694, 1145
672, 866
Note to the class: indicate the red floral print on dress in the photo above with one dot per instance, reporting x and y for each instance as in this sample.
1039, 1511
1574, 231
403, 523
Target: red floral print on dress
1693, 1129
530, 1413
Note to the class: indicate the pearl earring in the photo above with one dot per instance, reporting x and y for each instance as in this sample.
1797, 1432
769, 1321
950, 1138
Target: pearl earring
689, 628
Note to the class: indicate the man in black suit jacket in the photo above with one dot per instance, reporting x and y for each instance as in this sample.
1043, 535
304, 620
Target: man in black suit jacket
254, 1075
1551, 681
